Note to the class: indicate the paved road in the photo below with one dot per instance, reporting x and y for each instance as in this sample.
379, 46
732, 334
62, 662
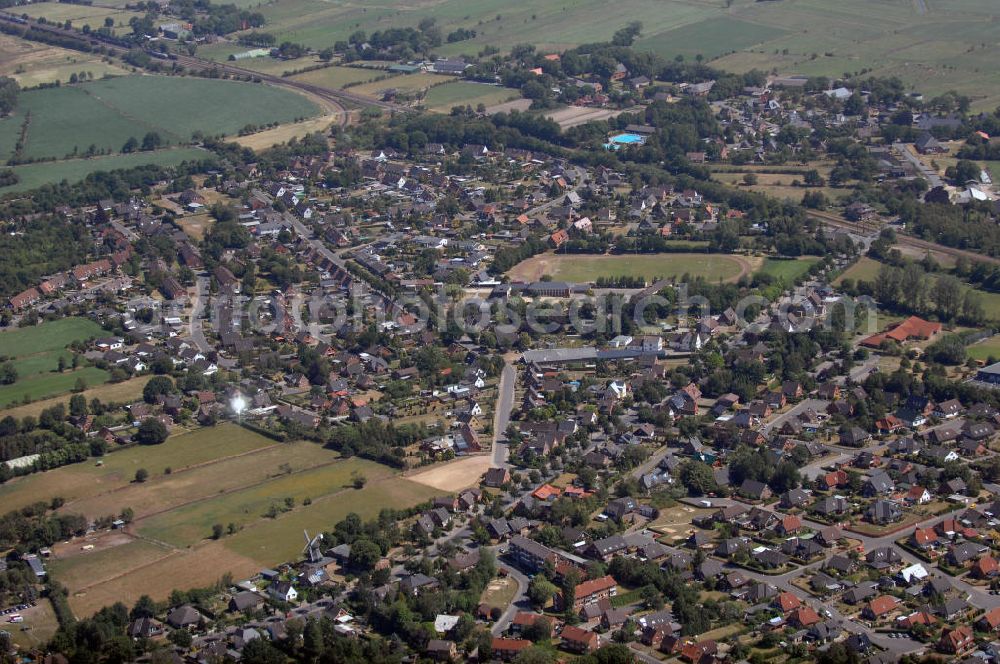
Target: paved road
929, 174
196, 324
859, 373
519, 603
501, 418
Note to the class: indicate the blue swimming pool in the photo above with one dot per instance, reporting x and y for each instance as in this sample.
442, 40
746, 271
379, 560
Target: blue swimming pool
628, 139
616, 142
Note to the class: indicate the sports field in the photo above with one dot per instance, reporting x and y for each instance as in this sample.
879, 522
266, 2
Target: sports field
586, 269
985, 349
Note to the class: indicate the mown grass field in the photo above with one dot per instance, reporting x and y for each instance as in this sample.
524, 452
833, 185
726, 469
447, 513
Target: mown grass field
35, 353
788, 270
335, 78
32, 176
125, 391
584, 269
49, 336
865, 269
208, 481
274, 540
43, 385
442, 98
117, 469
710, 38
985, 349
80, 15
190, 524
32, 63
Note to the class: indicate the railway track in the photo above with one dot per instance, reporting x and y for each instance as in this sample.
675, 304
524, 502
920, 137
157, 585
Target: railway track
905, 240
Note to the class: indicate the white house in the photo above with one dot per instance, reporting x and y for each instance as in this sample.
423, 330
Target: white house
283, 591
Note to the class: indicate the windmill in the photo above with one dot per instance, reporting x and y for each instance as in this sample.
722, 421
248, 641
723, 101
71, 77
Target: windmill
312, 547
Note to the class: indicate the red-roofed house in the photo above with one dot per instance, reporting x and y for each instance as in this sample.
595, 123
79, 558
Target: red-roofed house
508, 649
990, 622
803, 617
879, 606
918, 495
546, 491
956, 641
917, 618
787, 602
790, 525
579, 640
25, 298
559, 238
985, 568
694, 652
924, 538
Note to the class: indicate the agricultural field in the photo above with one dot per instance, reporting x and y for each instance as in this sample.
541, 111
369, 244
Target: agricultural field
442, 98
223, 474
80, 15
49, 336
271, 541
586, 269
405, 83
192, 523
35, 353
139, 566
125, 391
946, 47
43, 385
780, 185
32, 176
335, 78
117, 469
65, 121
710, 38
32, 63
